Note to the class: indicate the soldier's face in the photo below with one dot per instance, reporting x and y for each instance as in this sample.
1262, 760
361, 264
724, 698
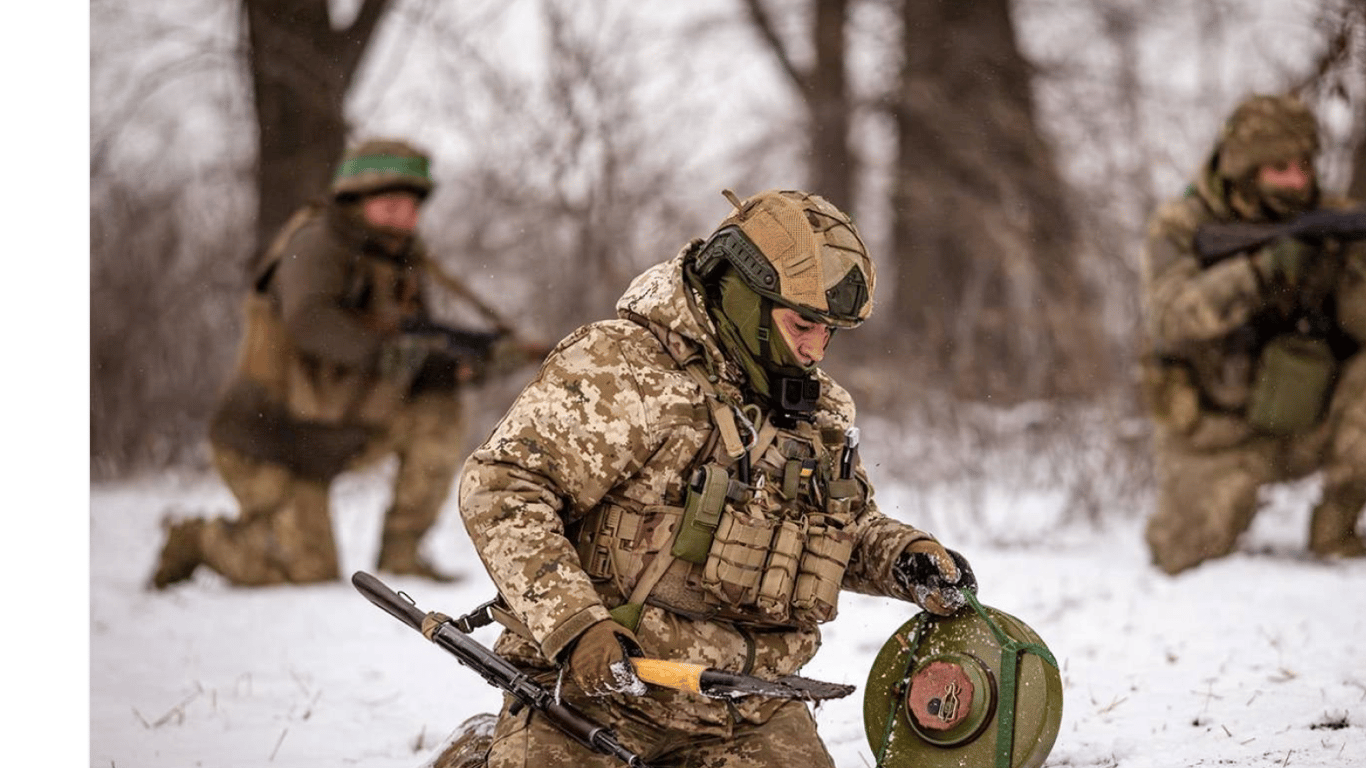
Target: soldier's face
395, 210
1290, 175
806, 339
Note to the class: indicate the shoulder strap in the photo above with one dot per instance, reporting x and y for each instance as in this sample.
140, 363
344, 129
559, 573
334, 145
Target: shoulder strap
270, 257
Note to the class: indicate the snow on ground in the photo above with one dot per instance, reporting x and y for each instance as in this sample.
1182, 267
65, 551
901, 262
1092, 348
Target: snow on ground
1255, 660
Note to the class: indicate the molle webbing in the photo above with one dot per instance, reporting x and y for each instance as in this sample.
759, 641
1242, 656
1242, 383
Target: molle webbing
724, 420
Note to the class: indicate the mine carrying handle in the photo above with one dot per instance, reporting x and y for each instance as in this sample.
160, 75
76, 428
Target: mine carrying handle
495, 669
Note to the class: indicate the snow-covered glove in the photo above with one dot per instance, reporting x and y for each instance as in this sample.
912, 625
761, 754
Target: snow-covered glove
934, 576
600, 663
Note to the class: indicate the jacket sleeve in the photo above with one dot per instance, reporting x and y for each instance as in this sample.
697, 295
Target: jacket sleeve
576, 431
1187, 303
880, 541
1351, 293
311, 283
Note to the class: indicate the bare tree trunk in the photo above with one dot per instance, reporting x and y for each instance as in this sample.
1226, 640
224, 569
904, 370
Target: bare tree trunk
301, 70
825, 92
988, 288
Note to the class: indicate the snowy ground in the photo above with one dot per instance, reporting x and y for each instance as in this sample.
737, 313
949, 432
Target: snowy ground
1256, 660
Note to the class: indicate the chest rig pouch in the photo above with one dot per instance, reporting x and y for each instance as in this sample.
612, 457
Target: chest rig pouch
764, 533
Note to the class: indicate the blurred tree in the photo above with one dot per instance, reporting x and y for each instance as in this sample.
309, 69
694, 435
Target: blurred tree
823, 86
301, 70
989, 286
1338, 73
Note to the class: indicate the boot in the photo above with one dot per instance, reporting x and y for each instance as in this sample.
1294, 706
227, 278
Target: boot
1332, 530
398, 555
181, 554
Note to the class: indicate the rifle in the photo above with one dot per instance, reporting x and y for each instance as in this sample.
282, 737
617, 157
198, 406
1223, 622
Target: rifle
458, 343
1216, 242
441, 630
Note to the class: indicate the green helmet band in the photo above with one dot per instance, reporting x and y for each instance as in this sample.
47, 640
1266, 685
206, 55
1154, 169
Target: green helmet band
417, 167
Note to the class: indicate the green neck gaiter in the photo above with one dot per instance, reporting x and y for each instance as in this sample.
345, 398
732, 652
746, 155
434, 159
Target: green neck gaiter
743, 320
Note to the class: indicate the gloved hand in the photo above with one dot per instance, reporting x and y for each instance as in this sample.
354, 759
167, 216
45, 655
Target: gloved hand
599, 660
1283, 260
401, 356
935, 576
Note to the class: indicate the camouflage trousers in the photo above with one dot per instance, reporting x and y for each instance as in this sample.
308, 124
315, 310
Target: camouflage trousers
283, 532
527, 740
1209, 475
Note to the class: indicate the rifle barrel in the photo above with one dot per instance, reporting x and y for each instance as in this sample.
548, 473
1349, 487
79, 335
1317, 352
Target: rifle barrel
378, 593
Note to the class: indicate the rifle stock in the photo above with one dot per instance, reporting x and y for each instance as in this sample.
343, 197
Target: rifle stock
1216, 242
496, 670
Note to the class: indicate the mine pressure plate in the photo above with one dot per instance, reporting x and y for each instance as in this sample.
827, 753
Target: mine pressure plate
977, 689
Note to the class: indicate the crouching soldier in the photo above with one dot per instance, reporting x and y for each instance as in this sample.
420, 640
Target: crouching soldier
683, 482
1255, 373
340, 365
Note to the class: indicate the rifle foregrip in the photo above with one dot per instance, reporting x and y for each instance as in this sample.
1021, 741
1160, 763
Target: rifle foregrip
379, 593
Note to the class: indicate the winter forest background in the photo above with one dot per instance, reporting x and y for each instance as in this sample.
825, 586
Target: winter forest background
1000, 157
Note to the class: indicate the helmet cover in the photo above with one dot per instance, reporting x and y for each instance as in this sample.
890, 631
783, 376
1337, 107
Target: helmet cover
798, 250
1264, 130
381, 165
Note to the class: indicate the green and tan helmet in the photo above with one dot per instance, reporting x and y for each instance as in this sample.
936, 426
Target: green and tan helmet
381, 165
798, 250
1264, 130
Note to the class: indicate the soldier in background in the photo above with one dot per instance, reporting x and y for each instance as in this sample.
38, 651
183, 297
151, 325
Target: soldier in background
1254, 374
340, 365
682, 482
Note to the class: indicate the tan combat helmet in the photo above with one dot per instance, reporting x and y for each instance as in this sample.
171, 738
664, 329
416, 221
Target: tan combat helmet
380, 165
798, 250
1263, 130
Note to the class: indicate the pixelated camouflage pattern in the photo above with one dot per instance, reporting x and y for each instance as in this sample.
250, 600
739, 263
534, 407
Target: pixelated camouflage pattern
613, 414
1210, 460
788, 737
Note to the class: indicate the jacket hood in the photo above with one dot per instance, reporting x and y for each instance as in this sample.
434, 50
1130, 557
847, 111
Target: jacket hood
661, 300
1211, 188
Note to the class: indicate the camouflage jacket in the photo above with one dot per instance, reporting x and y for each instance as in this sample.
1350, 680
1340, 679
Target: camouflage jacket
307, 379
613, 417
1213, 321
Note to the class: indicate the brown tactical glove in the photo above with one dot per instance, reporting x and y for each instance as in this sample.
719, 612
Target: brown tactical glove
934, 576
599, 660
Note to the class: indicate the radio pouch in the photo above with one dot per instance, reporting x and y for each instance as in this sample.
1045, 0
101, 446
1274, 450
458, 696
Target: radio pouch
1294, 380
702, 506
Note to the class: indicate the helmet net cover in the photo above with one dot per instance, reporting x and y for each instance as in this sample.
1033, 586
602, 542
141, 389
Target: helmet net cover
801, 251
381, 165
